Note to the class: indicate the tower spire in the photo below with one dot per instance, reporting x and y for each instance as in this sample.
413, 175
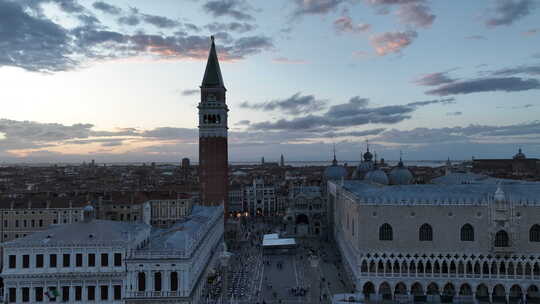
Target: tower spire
334, 162
212, 74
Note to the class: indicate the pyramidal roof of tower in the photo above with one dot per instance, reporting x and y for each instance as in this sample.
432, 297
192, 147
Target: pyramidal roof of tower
212, 74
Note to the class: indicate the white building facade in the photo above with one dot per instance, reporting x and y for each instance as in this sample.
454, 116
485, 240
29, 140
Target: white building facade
80, 262
174, 265
103, 261
442, 243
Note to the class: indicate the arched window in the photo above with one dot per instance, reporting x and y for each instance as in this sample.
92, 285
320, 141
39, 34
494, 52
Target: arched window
157, 281
534, 233
142, 281
385, 232
174, 281
467, 233
426, 233
501, 239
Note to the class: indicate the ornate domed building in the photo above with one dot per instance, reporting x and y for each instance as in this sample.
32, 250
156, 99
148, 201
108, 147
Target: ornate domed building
400, 175
364, 166
519, 155
335, 171
377, 176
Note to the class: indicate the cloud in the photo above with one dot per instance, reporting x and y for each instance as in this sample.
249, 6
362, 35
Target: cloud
294, 105
32, 43
475, 37
457, 113
231, 26
392, 42
445, 101
415, 14
160, 21
131, 20
355, 133
231, 8
345, 24
190, 92
315, 7
353, 113
471, 133
509, 11
170, 133
107, 8
533, 70
434, 79
288, 61
505, 84
531, 32
243, 123
392, 2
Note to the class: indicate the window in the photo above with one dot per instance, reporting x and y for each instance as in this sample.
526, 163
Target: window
534, 233
78, 293
501, 239
65, 259
467, 233
426, 233
13, 295
17, 223
174, 281
39, 294
142, 281
65, 293
91, 260
33, 223
385, 232
157, 281
40, 223
117, 292
104, 290
26, 294
39, 260
104, 259
117, 259
52, 260
26, 261
91, 293
5, 223
12, 261
24, 223
78, 260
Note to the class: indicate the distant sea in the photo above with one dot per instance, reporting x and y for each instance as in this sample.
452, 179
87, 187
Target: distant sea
423, 163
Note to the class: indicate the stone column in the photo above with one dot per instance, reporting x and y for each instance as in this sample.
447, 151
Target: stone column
84, 292
111, 291
149, 285
166, 281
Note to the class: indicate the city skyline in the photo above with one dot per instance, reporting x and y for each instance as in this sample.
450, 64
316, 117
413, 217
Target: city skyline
112, 81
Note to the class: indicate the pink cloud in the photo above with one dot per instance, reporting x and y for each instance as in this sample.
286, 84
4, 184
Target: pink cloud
392, 42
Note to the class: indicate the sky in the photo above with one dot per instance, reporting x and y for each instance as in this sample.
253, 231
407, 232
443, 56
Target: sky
118, 80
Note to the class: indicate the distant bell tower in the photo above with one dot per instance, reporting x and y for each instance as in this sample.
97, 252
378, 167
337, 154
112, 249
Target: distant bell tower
213, 151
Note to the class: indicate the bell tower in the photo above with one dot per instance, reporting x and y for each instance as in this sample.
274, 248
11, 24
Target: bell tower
213, 151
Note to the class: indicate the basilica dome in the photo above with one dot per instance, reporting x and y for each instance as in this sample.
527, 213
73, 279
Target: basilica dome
377, 176
335, 171
400, 175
